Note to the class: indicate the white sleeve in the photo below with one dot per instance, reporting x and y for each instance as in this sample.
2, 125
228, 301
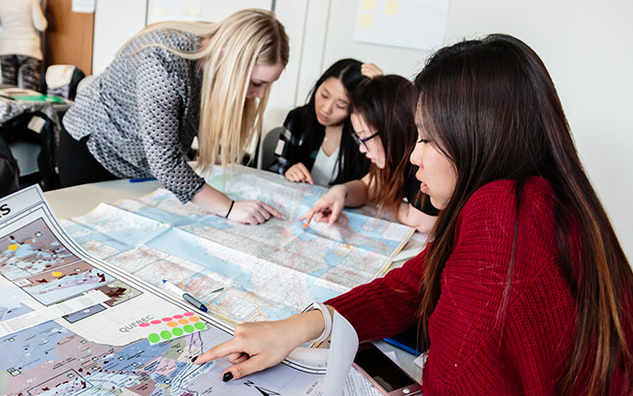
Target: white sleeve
39, 21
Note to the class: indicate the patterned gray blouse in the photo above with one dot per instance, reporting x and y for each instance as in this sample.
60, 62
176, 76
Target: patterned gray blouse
143, 112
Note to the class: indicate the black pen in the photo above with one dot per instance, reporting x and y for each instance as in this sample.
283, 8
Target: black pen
186, 296
7, 97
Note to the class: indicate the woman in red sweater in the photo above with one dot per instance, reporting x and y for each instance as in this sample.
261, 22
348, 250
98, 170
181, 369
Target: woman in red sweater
525, 288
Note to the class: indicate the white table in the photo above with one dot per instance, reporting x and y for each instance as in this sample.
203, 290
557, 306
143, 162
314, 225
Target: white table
77, 200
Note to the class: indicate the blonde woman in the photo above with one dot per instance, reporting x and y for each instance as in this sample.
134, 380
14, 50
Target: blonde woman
169, 83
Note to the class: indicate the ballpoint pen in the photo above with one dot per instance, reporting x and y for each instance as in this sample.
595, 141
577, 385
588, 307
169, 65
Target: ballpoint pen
142, 179
186, 296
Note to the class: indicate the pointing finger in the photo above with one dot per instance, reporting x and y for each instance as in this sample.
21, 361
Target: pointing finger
217, 351
274, 212
336, 210
249, 366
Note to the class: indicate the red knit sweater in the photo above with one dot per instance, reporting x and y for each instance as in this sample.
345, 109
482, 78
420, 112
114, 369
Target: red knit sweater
467, 355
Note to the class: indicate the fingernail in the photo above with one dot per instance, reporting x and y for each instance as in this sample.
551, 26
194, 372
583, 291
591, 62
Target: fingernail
193, 359
227, 376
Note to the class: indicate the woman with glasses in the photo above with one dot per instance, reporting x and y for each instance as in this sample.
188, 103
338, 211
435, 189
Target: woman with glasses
525, 289
384, 130
316, 146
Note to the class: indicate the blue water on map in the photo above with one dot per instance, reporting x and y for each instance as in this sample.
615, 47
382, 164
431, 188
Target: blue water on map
189, 248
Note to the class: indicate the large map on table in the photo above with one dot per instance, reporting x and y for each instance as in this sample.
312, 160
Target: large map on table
106, 347
267, 272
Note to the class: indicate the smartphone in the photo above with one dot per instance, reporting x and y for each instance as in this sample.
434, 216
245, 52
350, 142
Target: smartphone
390, 379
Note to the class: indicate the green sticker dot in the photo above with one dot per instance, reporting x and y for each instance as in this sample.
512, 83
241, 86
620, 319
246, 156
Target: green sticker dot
153, 338
189, 329
199, 325
165, 334
177, 331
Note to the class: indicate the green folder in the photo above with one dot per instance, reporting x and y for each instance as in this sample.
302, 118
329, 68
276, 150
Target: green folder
39, 98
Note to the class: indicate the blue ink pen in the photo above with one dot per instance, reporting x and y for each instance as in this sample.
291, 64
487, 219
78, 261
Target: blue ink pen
143, 179
186, 296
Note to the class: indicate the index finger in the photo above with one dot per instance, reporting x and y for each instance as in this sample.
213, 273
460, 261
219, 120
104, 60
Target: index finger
306, 173
307, 217
273, 212
336, 211
218, 351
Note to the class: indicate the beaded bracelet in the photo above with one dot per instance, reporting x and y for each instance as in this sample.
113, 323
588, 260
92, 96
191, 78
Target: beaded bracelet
327, 318
230, 208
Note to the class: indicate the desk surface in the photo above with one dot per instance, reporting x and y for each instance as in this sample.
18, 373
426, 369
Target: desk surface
77, 200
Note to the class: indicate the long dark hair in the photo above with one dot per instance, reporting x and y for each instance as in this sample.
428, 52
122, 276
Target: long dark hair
384, 102
351, 163
491, 107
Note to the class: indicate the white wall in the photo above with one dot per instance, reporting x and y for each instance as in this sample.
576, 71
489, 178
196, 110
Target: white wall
586, 46
587, 49
118, 20
115, 22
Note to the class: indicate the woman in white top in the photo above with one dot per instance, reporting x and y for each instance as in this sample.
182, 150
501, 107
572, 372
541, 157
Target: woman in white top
316, 145
21, 22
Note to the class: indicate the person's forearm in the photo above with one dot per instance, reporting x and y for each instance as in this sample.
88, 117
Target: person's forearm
309, 325
212, 200
422, 222
357, 193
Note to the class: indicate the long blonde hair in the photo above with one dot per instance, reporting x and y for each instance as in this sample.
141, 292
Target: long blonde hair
247, 38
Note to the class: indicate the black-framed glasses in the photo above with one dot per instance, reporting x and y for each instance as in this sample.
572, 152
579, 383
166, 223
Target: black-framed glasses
363, 141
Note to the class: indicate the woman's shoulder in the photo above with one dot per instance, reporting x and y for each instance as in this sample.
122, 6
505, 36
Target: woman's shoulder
297, 119
535, 191
495, 204
141, 55
143, 47
178, 40
298, 113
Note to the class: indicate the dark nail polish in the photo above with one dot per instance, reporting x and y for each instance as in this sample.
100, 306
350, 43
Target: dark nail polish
227, 376
193, 360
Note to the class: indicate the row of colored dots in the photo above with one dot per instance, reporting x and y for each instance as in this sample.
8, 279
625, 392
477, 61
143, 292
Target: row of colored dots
177, 332
183, 321
172, 322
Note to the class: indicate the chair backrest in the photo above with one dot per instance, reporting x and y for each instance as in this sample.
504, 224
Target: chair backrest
85, 82
62, 80
9, 171
267, 148
31, 139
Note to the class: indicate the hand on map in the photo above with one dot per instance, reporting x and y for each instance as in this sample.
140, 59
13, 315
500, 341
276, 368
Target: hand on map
253, 212
298, 173
326, 209
257, 346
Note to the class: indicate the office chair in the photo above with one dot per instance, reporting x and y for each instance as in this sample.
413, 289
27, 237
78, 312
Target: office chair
267, 148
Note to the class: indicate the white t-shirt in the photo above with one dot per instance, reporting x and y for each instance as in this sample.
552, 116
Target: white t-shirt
21, 20
325, 168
